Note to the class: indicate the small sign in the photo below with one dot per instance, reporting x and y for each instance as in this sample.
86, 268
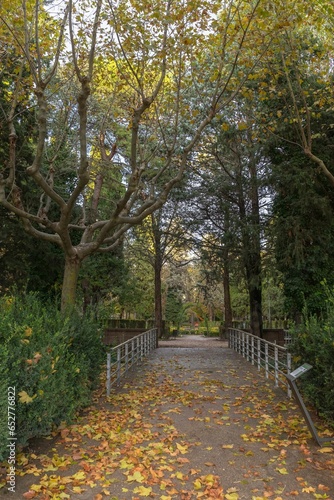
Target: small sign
300, 371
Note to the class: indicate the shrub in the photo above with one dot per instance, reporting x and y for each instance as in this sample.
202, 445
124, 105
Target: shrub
313, 343
3, 399
53, 361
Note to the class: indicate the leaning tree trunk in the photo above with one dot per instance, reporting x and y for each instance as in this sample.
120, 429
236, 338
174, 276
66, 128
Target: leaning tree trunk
70, 279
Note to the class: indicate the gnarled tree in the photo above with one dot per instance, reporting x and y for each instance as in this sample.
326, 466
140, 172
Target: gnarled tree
125, 72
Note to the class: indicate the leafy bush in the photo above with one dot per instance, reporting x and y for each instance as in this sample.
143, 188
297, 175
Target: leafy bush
53, 361
313, 343
3, 399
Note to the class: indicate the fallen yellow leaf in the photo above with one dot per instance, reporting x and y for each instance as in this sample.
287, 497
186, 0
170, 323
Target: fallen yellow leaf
142, 491
79, 476
36, 487
136, 476
282, 471
327, 449
25, 398
78, 489
197, 484
28, 332
231, 496
182, 449
308, 489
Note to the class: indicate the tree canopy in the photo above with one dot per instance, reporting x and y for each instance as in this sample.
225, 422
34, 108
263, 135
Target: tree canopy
108, 108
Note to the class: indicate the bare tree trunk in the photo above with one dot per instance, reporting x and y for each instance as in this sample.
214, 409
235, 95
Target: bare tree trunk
255, 300
226, 276
157, 298
70, 279
255, 288
227, 295
251, 253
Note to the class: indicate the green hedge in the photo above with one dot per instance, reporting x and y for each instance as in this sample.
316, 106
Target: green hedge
54, 362
313, 343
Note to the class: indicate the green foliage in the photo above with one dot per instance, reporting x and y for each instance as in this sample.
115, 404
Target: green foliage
53, 362
103, 276
3, 400
313, 343
174, 311
25, 261
303, 227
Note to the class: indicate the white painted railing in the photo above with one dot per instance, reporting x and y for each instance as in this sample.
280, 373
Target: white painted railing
274, 359
121, 358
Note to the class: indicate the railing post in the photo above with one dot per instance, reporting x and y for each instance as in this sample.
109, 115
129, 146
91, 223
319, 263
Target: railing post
137, 348
276, 366
288, 362
127, 354
132, 352
108, 372
243, 344
266, 359
267, 355
247, 346
126, 357
141, 347
119, 355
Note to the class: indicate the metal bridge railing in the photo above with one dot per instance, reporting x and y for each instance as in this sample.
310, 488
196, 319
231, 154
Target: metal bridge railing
273, 358
121, 358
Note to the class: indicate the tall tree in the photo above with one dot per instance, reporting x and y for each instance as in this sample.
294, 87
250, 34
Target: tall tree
297, 73
232, 171
156, 242
296, 113
303, 221
154, 61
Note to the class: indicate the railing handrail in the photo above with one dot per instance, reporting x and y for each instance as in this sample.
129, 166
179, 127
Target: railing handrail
128, 353
251, 347
280, 347
129, 340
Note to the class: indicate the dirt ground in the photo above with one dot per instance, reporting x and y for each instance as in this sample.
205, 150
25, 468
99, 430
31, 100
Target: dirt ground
195, 420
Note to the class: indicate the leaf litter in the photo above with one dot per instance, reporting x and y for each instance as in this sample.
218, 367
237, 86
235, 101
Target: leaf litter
185, 425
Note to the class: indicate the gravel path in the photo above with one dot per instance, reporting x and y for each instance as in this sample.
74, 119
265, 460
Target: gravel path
193, 421
193, 341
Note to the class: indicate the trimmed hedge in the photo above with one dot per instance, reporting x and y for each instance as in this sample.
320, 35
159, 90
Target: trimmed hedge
54, 362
